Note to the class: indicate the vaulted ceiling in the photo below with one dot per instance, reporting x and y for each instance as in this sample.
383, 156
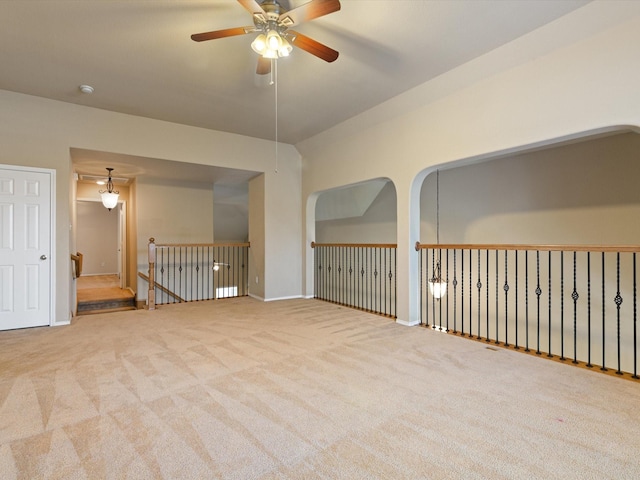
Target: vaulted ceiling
140, 59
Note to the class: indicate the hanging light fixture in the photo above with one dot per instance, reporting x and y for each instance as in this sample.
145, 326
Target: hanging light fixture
109, 196
437, 285
271, 43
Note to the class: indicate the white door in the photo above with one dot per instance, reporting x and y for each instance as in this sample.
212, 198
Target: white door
25, 247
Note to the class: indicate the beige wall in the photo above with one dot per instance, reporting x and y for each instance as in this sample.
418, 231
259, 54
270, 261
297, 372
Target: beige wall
376, 225
581, 193
97, 238
576, 76
171, 212
256, 237
38, 132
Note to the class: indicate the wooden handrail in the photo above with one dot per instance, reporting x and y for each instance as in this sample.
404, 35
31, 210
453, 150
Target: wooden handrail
164, 289
356, 245
541, 247
77, 264
162, 245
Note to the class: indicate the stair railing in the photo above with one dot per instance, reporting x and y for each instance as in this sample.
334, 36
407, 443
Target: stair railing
357, 275
196, 271
573, 303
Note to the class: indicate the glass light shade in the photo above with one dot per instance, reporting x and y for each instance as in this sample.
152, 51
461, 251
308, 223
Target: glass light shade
437, 287
274, 41
216, 268
269, 53
285, 49
109, 199
259, 45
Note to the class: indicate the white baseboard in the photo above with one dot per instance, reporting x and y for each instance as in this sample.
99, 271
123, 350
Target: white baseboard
294, 297
408, 324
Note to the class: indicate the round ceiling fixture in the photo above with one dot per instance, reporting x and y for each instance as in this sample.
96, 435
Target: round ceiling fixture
86, 88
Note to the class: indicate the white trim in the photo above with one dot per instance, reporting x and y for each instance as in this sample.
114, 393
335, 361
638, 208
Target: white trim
294, 297
407, 323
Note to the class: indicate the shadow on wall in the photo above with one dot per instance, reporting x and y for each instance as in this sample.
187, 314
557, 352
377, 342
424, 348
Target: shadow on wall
375, 223
580, 193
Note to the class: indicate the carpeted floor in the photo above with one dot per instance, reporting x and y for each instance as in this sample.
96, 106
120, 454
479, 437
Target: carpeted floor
299, 389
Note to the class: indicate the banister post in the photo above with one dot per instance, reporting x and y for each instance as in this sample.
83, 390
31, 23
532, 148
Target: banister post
151, 295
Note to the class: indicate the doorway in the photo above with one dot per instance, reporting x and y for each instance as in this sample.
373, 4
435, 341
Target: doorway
101, 238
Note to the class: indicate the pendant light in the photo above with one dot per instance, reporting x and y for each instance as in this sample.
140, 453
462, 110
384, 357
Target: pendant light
437, 285
109, 196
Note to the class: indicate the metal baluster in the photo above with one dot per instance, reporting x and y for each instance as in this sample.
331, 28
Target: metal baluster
497, 294
376, 296
198, 295
455, 291
589, 310
370, 279
209, 270
162, 294
618, 302
180, 274
393, 276
549, 354
506, 301
470, 294
561, 305
440, 299
462, 292
433, 304
538, 293
604, 367
575, 296
190, 273
447, 300
422, 293
383, 283
517, 347
526, 299
316, 262
487, 299
234, 271
479, 286
635, 320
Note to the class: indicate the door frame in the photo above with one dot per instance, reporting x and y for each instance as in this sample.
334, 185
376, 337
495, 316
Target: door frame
52, 231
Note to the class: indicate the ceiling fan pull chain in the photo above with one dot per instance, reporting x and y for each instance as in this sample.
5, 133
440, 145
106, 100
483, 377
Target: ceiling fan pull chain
274, 72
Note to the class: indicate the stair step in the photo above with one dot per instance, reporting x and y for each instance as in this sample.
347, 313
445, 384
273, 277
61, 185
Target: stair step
107, 304
107, 310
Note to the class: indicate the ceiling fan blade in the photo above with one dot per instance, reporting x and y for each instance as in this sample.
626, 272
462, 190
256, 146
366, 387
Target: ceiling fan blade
227, 32
252, 6
309, 11
264, 66
313, 47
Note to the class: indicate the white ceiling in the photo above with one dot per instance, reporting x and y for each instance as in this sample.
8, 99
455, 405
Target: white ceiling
139, 57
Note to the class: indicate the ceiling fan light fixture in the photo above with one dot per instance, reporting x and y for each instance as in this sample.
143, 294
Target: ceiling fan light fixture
270, 54
259, 45
285, 49
274, 40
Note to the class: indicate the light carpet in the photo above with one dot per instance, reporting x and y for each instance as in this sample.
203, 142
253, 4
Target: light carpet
299, 389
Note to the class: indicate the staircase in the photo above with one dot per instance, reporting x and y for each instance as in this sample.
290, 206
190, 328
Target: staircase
88, 307
101, 294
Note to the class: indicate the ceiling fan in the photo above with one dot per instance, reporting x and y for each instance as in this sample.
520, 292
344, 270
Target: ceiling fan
272, 22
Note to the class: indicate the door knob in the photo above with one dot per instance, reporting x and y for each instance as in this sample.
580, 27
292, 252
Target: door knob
43, 257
